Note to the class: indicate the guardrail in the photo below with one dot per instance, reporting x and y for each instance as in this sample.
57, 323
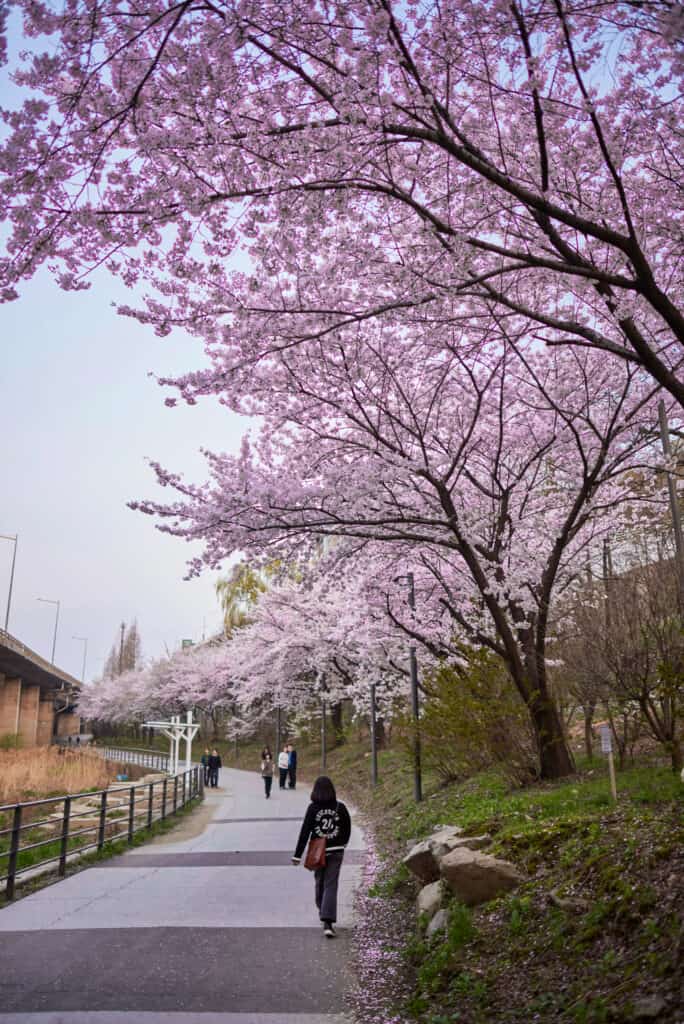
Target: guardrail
136, 755
107, 815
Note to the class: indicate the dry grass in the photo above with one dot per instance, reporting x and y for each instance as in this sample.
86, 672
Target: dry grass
37, 772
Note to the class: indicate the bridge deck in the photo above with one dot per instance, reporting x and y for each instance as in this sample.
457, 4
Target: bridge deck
16, 659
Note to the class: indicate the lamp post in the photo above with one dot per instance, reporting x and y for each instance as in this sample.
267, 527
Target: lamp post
324, 746
415, 707
84, 641
373, 736
14, 537
47, 600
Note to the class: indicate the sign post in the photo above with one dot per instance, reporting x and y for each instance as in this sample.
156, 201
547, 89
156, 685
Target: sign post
607, 748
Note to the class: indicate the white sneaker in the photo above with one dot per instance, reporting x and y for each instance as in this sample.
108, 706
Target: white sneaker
329, 931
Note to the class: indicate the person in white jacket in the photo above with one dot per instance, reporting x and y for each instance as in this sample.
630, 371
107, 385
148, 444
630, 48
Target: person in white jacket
283, 765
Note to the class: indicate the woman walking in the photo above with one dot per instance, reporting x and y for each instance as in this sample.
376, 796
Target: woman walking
326, 818
267, 771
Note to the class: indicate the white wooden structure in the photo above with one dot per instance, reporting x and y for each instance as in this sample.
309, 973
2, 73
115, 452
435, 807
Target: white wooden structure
177, 730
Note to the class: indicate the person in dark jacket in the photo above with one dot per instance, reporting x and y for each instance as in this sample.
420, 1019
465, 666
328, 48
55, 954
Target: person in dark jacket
214, 765
328, 818
292, 765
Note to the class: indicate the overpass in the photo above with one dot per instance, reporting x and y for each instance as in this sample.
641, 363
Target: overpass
37, 699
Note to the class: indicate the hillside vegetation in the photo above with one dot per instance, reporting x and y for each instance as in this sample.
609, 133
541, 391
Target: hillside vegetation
595, 933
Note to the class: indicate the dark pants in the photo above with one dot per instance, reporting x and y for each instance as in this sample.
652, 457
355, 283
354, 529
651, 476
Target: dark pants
205, 769
213, 777
268, 782
327, 880
283, 776
292, 772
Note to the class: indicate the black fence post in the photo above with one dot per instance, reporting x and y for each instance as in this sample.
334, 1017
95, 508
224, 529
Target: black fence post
103, 820
14, 850
163, 807
175, 794
149, 805
65, 836
131, 814
185, 774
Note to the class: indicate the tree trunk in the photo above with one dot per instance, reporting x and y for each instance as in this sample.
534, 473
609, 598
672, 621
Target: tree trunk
676, 755
555, 759
380, 733
336, 722
588, 711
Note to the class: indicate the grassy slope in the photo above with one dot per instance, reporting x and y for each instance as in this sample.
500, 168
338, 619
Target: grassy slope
612, 936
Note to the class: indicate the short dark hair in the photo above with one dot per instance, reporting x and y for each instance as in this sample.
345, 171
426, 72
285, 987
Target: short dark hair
323, 791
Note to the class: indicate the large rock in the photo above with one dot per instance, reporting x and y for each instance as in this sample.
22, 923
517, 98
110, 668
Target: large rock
476, 877
438, 923
440, 848
421, 862
430, 899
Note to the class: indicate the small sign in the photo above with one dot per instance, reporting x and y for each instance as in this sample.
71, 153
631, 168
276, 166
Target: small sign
187, 643
606, 740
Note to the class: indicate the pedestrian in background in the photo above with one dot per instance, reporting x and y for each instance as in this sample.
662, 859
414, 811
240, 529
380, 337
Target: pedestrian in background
214, 765
326, 818
283, 765
267, 772
292, 766
204, 761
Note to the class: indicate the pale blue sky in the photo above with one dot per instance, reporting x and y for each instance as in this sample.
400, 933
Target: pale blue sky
78, 417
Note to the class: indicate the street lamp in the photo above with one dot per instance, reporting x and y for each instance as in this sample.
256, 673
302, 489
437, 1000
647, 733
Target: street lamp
84, 641
415, 708
47, 600
14, 537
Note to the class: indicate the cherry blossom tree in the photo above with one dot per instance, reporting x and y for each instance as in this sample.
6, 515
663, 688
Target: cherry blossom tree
196, 678
462, 228
488, 475
319, 639
453, 158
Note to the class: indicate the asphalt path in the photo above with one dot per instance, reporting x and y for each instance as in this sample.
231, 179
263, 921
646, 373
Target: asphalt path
219, 928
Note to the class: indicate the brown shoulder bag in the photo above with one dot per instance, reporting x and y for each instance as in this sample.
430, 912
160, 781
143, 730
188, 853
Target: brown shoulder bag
315, 854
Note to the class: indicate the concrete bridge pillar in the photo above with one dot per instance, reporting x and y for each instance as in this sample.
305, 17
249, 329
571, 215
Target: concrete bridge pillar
28, 714
46, 721
10, 705
68, 724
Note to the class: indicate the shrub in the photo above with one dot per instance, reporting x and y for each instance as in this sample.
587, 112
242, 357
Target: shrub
475, 720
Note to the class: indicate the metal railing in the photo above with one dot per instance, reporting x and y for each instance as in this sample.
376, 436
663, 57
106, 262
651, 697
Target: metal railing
136, 755
110, 815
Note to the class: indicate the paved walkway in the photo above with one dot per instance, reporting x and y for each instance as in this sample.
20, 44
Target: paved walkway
219, 928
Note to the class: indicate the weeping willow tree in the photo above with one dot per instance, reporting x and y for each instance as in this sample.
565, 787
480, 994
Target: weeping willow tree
238, 594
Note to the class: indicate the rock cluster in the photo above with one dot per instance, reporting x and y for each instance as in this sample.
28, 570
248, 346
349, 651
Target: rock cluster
449, 861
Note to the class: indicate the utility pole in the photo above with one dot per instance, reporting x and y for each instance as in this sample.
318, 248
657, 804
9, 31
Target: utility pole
674, 504
121, 645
